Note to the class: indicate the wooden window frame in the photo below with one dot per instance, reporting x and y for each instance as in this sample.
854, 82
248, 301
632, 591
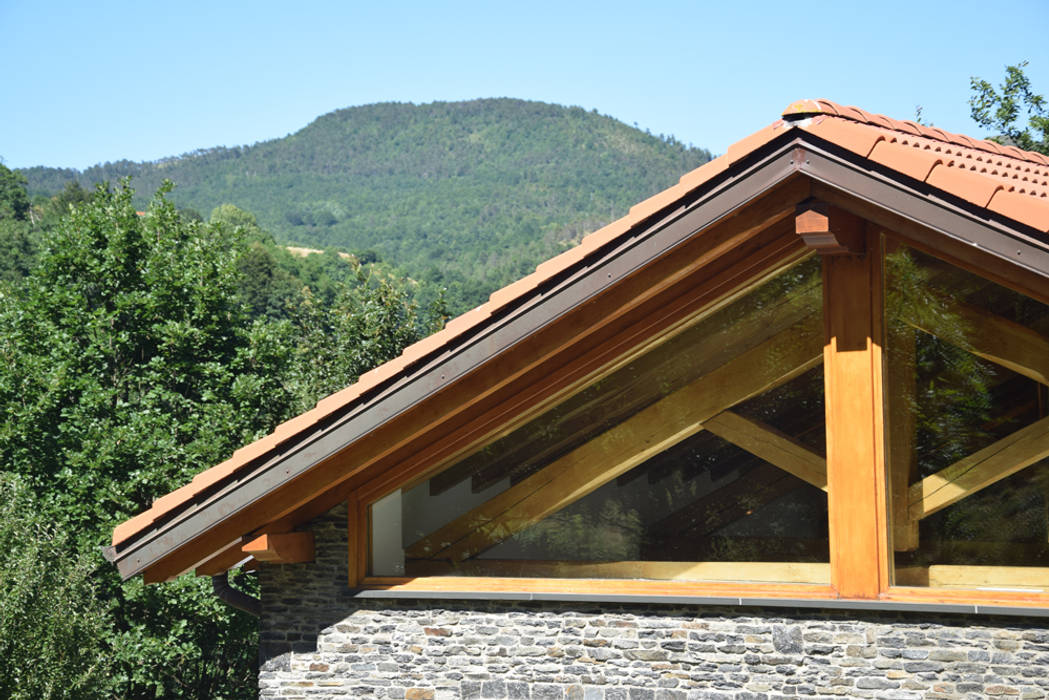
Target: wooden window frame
859, 489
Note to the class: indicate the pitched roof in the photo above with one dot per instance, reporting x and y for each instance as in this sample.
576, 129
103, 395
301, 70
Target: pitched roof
1001, 179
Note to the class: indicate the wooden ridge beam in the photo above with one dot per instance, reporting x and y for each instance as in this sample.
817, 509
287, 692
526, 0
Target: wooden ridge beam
980, 469
769, 444
621, 448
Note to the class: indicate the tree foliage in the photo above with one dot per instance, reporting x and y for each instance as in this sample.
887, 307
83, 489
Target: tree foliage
1003, 109
140, 349
52, 622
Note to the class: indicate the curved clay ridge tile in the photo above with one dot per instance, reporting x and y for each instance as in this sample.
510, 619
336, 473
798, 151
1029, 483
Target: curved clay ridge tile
810, 108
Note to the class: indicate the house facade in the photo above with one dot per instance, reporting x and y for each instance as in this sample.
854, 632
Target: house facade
783, 429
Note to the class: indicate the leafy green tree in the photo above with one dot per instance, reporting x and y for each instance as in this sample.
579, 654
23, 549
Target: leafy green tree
17, 238
129, 365
1002, 110
14, 200
130, 362
53, 628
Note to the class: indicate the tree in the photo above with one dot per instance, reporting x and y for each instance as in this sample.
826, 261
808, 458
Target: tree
129, 365
14, 201
1001, 110
52, 625
130, 362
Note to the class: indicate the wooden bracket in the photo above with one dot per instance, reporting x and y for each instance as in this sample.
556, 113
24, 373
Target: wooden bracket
283, 548
827, 229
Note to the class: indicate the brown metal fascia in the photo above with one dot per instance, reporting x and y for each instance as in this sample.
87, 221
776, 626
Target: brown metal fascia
950, 216
761, 171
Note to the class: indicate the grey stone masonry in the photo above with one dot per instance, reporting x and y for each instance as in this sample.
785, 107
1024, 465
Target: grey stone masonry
318, 641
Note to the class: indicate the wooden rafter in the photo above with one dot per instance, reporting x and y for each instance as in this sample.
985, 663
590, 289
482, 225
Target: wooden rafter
616, 451
1003, 342
282, 548
980, 469
769, 444
224, 560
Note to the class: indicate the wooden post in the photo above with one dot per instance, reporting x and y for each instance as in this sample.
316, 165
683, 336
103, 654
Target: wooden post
903, 460
852, 303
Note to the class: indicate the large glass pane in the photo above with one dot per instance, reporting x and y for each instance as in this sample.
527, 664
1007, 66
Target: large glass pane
968, 437
700, 458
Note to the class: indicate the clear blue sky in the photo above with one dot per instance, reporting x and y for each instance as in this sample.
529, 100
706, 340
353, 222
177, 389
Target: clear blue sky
89, 82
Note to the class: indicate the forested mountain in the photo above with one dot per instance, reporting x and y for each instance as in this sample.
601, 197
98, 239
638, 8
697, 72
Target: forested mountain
470, 195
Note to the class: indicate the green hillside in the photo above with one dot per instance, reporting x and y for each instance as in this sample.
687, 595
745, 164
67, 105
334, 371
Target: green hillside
470, 195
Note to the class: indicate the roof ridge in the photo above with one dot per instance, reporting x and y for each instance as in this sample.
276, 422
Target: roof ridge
810, 108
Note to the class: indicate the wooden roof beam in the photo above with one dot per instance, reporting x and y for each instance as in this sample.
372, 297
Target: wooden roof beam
829, 230
282, 548
980, 469
769, 444
999, 340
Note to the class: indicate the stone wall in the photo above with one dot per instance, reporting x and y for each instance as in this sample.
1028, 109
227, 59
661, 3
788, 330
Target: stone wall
318, 641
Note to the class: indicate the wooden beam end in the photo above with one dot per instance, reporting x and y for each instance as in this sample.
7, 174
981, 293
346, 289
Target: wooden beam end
282, 548
829, 230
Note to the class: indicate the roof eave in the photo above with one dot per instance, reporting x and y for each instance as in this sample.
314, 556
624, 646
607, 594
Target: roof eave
760, 170
793, 152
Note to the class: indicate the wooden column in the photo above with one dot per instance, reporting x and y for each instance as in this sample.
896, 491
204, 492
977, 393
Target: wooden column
852, 303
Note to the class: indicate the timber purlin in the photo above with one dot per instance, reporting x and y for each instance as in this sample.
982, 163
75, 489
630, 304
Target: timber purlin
829, 178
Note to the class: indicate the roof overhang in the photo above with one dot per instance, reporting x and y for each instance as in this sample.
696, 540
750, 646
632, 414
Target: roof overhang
444, 391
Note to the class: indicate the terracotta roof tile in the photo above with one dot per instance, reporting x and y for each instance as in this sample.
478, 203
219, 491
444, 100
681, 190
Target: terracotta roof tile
971, 169
1031, 210
913, 162
1015, 182
965, 184
855, 137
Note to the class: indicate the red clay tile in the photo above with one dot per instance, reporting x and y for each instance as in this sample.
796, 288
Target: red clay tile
855, 137
330, 404
746, 146
808, 107
854, 113
966, 184
455, 327
703, 173
132, 526
648, 207
1025, 208
561, 262
905, 159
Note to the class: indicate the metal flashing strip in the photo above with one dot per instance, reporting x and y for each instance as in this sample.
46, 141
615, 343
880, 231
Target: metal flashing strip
712, 601
767, 168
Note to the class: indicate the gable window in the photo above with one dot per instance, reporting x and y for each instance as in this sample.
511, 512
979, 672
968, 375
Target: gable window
699, 457
968, 428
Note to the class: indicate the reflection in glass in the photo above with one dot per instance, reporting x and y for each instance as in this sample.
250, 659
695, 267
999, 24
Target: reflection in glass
967, 430
705, 449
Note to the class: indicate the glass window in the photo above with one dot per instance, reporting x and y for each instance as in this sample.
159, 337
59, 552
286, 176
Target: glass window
968, 435
699, 457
